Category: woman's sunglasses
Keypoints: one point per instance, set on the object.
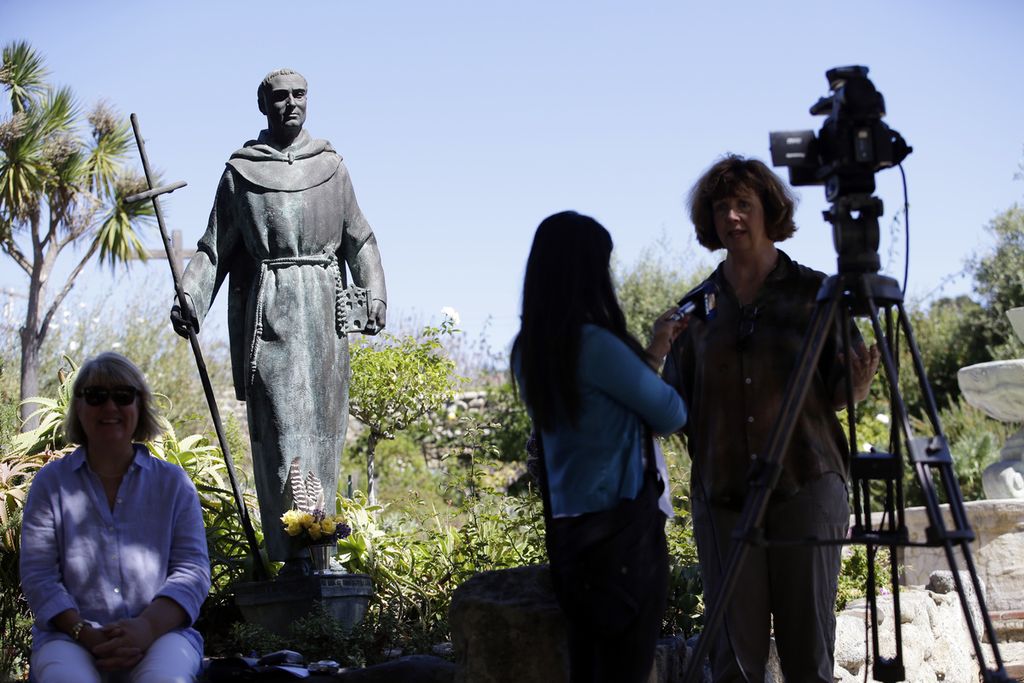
(97, 396)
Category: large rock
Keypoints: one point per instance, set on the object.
(942, 582)
(936, 643)
(507, 627)
(672, 658)
(411, 669)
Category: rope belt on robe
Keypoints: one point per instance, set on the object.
(327, 260)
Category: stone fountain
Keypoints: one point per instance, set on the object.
(997, 388)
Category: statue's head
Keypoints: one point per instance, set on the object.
(282, 98)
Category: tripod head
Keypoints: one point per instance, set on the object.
(855, 232)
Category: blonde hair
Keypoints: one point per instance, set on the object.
(110, 368)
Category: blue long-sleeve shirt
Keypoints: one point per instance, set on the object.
(109, 565)
(592, 466)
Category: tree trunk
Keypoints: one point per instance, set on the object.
(29, 377)
(371, 490)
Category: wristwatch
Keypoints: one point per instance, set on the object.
(76, 630)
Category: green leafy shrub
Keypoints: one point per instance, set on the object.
(419, 556)
(397, 382)
(685, 612)
(853, 575)
(16, 472)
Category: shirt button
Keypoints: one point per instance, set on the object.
(747, 380)
(117, 590)
(750, 418)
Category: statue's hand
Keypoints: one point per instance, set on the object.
(378, 317)
(185, 321)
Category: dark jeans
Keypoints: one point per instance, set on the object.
(612, 633)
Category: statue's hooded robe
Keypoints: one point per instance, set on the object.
(283, 226)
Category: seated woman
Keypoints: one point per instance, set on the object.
(595, 399)
(113, 553)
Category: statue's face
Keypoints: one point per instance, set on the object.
(284, 103)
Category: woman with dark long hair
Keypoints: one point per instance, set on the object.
(595, 399)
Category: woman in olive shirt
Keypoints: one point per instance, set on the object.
(732, 372)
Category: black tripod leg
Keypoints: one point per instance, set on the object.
(769, 468)
(935, 453)
(885, 668)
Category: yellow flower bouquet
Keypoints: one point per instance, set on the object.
(316, 526)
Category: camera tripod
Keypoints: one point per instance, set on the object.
(859, 291)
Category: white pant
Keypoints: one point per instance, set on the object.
(170, 659)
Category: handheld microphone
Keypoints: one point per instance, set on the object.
(701, 302)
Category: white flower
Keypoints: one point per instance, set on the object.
(883, 418)
(451, 313)
(72, 346)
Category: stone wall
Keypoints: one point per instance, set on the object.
(998, 551)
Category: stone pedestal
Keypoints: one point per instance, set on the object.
(276, 605)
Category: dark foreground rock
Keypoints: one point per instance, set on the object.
(507, 628)
(411, 669)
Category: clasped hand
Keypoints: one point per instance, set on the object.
(119, 645)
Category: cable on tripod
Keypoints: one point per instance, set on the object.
(906, 225)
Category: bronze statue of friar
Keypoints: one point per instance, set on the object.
(284, 225)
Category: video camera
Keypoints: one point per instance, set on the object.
(853, 143)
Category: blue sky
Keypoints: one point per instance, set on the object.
(464, 124)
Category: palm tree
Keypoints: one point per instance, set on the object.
(58, 189)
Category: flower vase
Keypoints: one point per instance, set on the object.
(321, 555)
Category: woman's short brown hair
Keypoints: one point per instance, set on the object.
(111, 369)
(726, 178)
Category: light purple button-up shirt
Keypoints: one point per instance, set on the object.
(109, 565)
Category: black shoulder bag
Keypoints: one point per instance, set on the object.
(604, 564)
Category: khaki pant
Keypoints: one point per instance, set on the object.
(793, 586)
(170, 659)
